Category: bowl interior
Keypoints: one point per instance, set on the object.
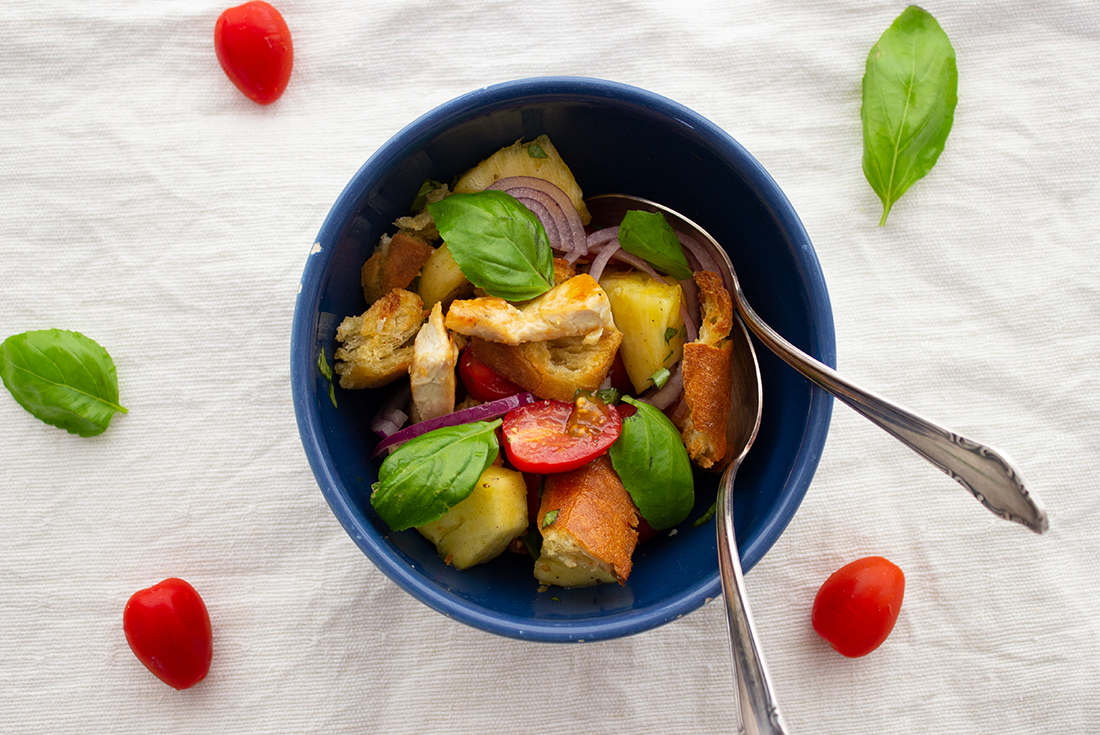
(616, 139)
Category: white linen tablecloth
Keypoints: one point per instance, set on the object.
(148, 204)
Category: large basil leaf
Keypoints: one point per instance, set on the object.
(427, 476)
(649, 236)
(653, 465)
(62, 378)
(498, 243)
(910, 90)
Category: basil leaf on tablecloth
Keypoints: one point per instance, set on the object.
(427, 476)
(498, 243)
(910, 89)
(63, 378)
(653, 465)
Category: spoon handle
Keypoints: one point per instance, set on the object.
(982, 470)
(756, 706)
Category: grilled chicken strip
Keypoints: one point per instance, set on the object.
(576, 308)
(432, 375)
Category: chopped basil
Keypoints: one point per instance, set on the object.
(651, 461)
(427, 476)
(62, 378)
(670, 334)
(498, 244)
(421, 199)
(910, 89)
(326, 373)
(549, 518)
(649, 236)
(534, 150)
(660, 377)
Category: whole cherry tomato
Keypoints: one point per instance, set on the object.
(253, 45)
(856, 608)
(168, 629)
(555, 436)
(481, 382)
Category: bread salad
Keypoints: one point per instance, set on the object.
(599, 357)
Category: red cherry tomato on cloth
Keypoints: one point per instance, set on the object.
(253, 46)
(481, 382)
(856, 608)
(555, 436)
(168, 629)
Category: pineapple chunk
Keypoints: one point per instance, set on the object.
(441, 280)
(525, 159)
(647, 312)
(481, 526)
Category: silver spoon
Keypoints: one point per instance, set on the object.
(982, 470)
(757, 711)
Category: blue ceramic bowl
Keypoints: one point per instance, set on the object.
(615, 138)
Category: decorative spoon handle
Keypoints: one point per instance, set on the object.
(982, 470)
(756, 705)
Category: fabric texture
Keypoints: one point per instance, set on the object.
(148, 204)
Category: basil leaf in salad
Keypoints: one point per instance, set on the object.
(653, 465)
(427, 476)
(326, 373)
(649, 236)
(498, 243)
(910, 89)
(63, 378)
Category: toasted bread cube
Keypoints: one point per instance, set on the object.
(589, 527)
(394, 264)
(441, 280)
(481, 526)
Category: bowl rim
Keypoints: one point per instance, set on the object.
(304, 375)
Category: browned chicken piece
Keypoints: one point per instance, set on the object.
(395, 263)
(589, 527)
(707, 378)
(576, 308)
(376, 346)
(432, 374)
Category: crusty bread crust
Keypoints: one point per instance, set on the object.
(556, 369)
(592, 536)
(707, 377)
(394, 264)
(376, 346)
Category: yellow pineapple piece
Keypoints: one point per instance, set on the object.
(537, 158)
(441, 280)
(481, 526)
(647, 312)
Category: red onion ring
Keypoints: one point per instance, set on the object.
(600, 261)
(482, 412)
(560, 212)
(672, 390)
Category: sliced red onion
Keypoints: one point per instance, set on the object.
(703, 254)
(390, 418)
(559, 210)
(602, 237)
(600, 261)
(482, 412)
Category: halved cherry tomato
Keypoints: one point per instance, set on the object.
(856, 608)
(481, 382)
(168, 629)
(253, 45)
(555, 436)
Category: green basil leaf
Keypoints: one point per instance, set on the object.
(62, 378)
(428, 186)
(326, 373)
(498, 244)
(910, 89)
(649, 236)
(653, 465)
(427, 476)
(534, 150)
